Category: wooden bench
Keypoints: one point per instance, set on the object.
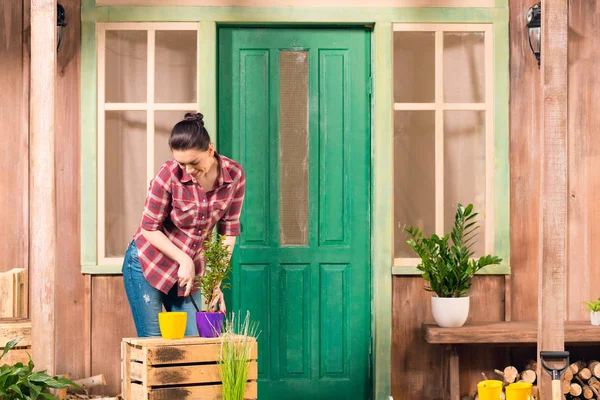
(508, 333)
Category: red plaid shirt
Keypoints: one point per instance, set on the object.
(184, 212)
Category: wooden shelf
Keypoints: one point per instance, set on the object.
(506, 332)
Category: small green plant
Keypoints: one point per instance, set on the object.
(19, 382)
(446, 262)
(238, 340)
(592, 306)
(218, 267)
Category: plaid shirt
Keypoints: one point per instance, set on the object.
(184, 212)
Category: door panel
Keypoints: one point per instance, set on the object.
(294, 110)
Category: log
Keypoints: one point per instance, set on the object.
(596, 371)
(595, 383)
(568, 375)
(592, 364)
(576, 367)
(566, 386)
(532, 365)
(528, 376)
(587, 391)
(585, 374)
(510, 374)
(575, 389)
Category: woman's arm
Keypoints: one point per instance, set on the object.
(187, 270)
(230, 243)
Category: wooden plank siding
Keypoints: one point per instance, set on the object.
(14, 117)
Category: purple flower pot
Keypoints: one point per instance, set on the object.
(209, 323)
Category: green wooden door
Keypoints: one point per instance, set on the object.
(294, 110)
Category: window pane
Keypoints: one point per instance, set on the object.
(175, 67)
(126, 183)
(414, 67)
(464, 168)
(126, 66)
(464, 67)
(163, 123)
(414, 175)
(293, 147)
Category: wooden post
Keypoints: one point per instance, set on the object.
(42, 208)
(553, 200)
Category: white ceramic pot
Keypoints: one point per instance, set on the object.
(595, 317)
(450, 312)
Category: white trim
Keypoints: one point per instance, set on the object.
(101, 118)
(150, 100)
(146, 106)
(489, 141)
(410, 27)
(443, 106)
(144, 26)
(439, 132)
(406, 262)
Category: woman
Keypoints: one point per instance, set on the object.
(188, 197)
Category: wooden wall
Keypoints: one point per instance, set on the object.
(92, 312)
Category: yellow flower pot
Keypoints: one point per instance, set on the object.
(489, 390)
(519, 391)
(172, 324)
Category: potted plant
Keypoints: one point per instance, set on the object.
(594, 308)
(447, 266)
(238, 340)
(216, 256)
(19, 382)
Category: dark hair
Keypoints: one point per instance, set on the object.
(189, 133)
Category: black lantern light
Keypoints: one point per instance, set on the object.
(534, 30)
(60, 24)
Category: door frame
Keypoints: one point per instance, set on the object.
(381, 282)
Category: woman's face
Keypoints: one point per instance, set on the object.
(195, 162)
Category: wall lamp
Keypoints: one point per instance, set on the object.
(60, 24)
(534, 30)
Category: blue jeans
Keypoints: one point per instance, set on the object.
(146, 301)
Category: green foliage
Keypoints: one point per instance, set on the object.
(446, 261)
(592, 306)
(19, 382)
(218, 267)
(236, 348)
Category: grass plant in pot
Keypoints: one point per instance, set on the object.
(217, 258)
(237, 350)
(447, 266)
(594, 309)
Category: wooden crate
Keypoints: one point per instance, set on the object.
(13, 293)
(12, 329)
(184, 369)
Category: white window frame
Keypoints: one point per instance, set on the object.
(439, 106)
(149, 106)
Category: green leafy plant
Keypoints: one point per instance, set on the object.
(238, 341)
(592, 306)
(218, 267)
(19, 382)
(446, 262)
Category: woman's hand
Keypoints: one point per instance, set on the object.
(218, 299)
(186, 273)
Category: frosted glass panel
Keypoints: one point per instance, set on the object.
(293, 147)
(126, 183)
(414, 175)
(414, 67)
(175, 70)
(464, 167)
(163, 124)
(464, 67)
(126, 66)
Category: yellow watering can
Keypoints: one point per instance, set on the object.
(489, 390)
(519, 391)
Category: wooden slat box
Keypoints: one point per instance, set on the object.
(183, 369)
(11, 329)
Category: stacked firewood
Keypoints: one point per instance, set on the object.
(582, 380)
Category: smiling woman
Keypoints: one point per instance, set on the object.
(189, 196)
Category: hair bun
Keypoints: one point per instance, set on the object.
(197, 117)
